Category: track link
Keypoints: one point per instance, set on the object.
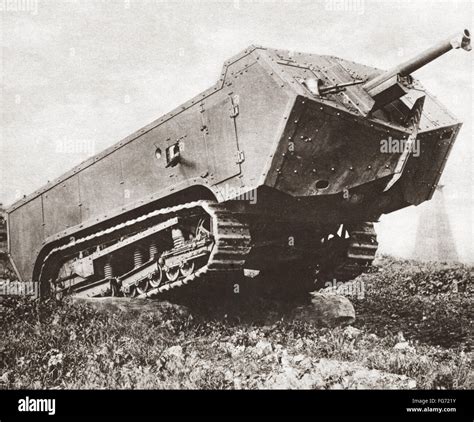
(356, 253)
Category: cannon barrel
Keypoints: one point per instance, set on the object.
(461, 40)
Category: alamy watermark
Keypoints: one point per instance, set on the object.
(235, 193)
(75, 146)
(399, 146)
(29, 6)
(37, 405)
(19, 288)
(351, 289)
(357, 6)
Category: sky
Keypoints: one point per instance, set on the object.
(77, 76)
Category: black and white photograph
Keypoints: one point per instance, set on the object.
(257, 195)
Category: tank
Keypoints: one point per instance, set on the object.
(284, 164)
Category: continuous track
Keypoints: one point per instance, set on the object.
(219, 254)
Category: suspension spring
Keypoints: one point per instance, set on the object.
(137, 258)
(108, 270)
(178, 237)
(153, 250)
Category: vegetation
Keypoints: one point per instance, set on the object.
(413, 330)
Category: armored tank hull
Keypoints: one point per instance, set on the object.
(284, 162)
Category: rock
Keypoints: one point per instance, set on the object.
(374, 379)
(172, 359)
(298, 358)
(403, 345)
(289, 379)
(174, 351)
(237, 383)
(253, 335)
(263, 348)
(334, 374)
(327, 310)
(284, 359)
(236, 351)
(229, 376)
(4, 377)
(352, 332)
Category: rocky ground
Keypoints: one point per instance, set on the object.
(413, 329)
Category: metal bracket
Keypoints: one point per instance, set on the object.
(235, 106)
(413, 120)
(240, 157)
(235, 111)
(173, 155)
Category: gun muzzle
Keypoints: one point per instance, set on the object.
(461, 40)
